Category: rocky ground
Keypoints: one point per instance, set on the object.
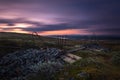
(20, 64)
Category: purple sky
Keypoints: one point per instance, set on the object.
(52, 17)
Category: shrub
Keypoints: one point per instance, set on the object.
(116, 58)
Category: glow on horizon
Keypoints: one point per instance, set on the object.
(15, 28)
(19, 28)
(22, 25)
(17, 31)
(64, 32)
(57, 32)
(18, 25)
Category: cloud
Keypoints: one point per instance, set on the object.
(12, 22)
(100, 16)
(97, 26)
(47, 27)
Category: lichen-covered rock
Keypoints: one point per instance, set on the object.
(18, 65)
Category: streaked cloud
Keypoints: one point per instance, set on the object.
(43, 16)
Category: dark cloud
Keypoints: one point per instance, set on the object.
(98, 26)
(12, 22)
(52, 27)
(48, 27)
(108, 31)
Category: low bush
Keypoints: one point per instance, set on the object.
(116, 59)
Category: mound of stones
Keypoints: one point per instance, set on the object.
(94, 47)
(20, 64)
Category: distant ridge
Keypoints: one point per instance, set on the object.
(12, 35)
(88, 37)
(73, 37)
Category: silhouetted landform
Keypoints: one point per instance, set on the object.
(88, 37)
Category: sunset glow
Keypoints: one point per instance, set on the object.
(64, 32)
(17, 31)
(22, 25)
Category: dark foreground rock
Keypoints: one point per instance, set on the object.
(19, 65)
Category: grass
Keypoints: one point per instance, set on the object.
(97, 64)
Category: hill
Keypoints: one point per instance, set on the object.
(94, 64)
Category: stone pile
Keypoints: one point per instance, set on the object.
(20, 64)
(94, 47)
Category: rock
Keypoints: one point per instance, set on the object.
(20, 64)
(83, 74)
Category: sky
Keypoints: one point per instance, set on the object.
(60, 17)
